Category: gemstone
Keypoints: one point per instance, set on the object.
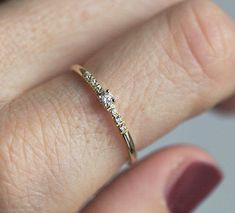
(123, 128)
(87, 75)
(114, 113)
(107, 98)
(98, 88)
(118, 120)
(93, 82)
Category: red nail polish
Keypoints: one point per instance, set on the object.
(193, 185)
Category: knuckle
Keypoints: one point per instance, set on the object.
(202, 37)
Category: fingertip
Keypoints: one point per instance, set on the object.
(174, 179)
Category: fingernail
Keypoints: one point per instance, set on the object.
(192, 186)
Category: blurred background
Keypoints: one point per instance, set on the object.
(216, 134)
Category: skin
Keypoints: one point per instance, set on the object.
(175, 62)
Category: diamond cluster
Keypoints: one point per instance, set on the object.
(107, 99)
(118, 120)
(92, 81)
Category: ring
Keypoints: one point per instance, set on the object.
(108, 101)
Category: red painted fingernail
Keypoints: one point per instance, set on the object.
(193, 186)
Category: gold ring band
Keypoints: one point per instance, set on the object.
(107, 100)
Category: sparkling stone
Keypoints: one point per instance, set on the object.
(118, 120)
(123, 128)
(93, 81)
(98, 88)
(114, 113)
(106, 98)
(87, 75)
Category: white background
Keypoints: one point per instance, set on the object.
(216, 134)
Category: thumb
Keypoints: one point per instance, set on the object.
(175, 179)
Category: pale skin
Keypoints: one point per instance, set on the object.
(57, 144)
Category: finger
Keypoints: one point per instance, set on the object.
(42, 38)
(175, 179)
(63, 130)
(182, 67)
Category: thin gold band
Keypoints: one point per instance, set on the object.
(107, 100)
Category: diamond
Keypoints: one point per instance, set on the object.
(93, 81)
(98, 88)
(118, 120)
(123, 128)
(106, 98)
(114, 113)
(87, 76)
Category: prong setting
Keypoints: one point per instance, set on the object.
(108, 101)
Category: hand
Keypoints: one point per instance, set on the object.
(57, 145)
